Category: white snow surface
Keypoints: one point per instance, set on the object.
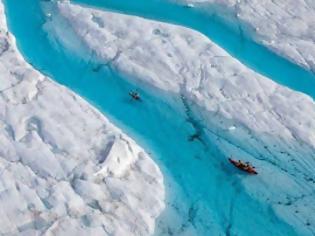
(270, 122)
(285, 26)
(64, 168)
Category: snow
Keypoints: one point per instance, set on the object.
(253, 116)
(65, 169)
(285, 26)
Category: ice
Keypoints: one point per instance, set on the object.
(181, 60)
(285, 26)
(65, 169)
(272, 125)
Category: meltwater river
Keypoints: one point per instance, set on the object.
(203, 195)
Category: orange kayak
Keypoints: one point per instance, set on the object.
(243, 167)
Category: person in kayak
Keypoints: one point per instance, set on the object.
(135, 95)
(241, 164)
(244, 166)
(248, 165)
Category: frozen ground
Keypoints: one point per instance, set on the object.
(65, 169)
(243, 112)
(285, 26)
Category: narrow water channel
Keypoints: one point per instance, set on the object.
(235, 42)
(203, 196)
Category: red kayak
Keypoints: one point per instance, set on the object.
(244, 167)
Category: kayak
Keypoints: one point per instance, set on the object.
(248, 169)
(135, 96)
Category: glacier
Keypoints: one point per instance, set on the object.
(65, 169)
(184, 75)
(284, 26)
(242, 112)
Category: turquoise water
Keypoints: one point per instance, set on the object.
(202, 191)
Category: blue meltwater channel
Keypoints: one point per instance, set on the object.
(203, 194)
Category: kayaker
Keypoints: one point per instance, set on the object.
(244, 166)
(135, 95)
(240, 163)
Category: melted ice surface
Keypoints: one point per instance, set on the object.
(234, 110)
(65, 169)
(270, 122)
(285, 26)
